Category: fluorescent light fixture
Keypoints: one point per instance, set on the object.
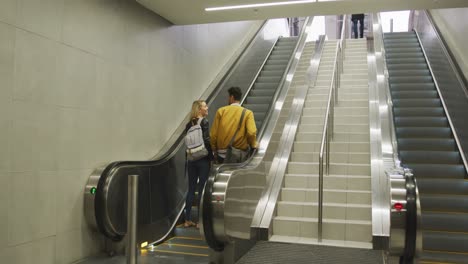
(260, 5)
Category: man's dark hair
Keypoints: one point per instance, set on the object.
(235, 92)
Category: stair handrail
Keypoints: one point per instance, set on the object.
(327, 131)
(442, 100)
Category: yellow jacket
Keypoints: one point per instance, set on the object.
(225, 125)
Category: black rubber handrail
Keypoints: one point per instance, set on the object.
(411, 220)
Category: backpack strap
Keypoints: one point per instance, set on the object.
(238, 128)
(199, 120)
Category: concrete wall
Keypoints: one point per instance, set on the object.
(85, 82)
(454, 28)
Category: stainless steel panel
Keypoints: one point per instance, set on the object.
(384, 153)
(132, 210)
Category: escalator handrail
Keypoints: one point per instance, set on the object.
(412, 202)
(442, 100)
(208, 230)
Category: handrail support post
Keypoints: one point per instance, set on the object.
(132, 209)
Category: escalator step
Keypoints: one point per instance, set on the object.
(406, 50)
(274, 67)
(258, 123)
(402, 54)
(393, 38)
(265, 86)
(279, 57)
(411, 86)
(268, 79)
(282, 63)
(435, 144)
(407, 72)
(409, 79)
(262, 92)
(428, 157)
(421, 122)
(411, 44)
(259, 116)
(445, 241)
(269, 73)
(442, 257)
(286, 52)
(398, 61)
(444, 203)
(423, 132)
(449, 222)
(443, 186)
(418, 111)
(398, 34)
(414, 94)
(448, 171)
(257, 107)
(417, 102)
(407, 66)
(251, 100)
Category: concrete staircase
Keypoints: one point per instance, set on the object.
(347, 194)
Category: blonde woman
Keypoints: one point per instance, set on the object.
(199, 169)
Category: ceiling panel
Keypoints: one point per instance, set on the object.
(182, 12)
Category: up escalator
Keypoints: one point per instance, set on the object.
(427, 146)
(162, 184)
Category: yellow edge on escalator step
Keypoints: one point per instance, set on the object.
(432, 262)
(444, 231)
(181, 253)
(451, 212)
(450, 252)
(189, 238)
(184, 245)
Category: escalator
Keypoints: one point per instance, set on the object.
(427, 146)
(187, 241)
(162, 185)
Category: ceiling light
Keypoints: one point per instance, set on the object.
(260, 5)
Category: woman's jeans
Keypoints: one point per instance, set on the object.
(197, 170)
(361, 27)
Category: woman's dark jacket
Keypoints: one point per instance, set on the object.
(205, 125)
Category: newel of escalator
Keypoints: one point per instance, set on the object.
(405, 214)
(206, 217)
(412, 211)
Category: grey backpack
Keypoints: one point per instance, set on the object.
(194, 142)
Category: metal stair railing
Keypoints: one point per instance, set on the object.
(327, 131)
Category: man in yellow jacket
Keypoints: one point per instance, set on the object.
(225, 125)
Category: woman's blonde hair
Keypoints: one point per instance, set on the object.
(196, 107)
